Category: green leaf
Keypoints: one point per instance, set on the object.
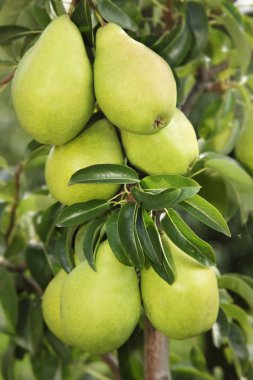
(198, 358)
(130, 357)
(183, 237)
(236, 177)
(149, 237)
(9, 33)
(165, 269)
(237, 343)
(114, 239)
(188, 186)
(105, 173)
(37, 264)
(46, 222)
(163, 199)
(3, 163)
(198, 25)
(8, 303)
(206, 213)
(57, 253)
(127, 234)
(239, 315)
(239, 38)
(238, 286)
(81, 212)
(58, 7)
(91, 237)
(112, 13)
(82, 18)
(220, 329)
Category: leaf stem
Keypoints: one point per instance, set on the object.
(96, 12)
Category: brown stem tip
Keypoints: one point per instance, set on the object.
(159, 123)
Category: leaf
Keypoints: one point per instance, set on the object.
(3, 162)
(58, 7)
(165, 269)
(198, 358)
(220, 329)
(46, 222)
(127, 234)
(188, 186)
(82, 18)
(105, 173)
(112, 13)
(198, 24)
(238, 286)
(238, 345)
(37, 264)
(57, 252)
(131, 358)
(206, 213)
(91, 235)
(81, 212)
(183, 237)
(149, 237)
(163, 199)
(236, 177)
(239, 315)
(114, 239)
(8, 303)
(9, 33)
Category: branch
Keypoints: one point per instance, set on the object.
(7, 79)
(112, 364)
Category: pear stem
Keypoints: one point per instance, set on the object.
(72, 7)
(96, 12)
(156, 354)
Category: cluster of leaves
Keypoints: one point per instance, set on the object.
(209, 46)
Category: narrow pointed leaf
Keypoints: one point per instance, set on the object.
(149, 237)
(238, 286)
(127, 234)
(164, 199)
(90, 239)
(183, 237)
(206, 213)
(8, 303)
(81, 212)
(114, 239)
(241, 316)
(188, 186)
(165, 269)
(105, 173)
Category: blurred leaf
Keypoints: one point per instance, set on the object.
(46, 221)
(3, 162)
(81, 212)
(58, 7)
(238, 345)
(206, 213)
(220, 329)
(8, 303)
(111, 13)
(237, 285)
(105, 173)
(46, 366)
(127, 234)
(7, 365)
(9, 33)
(164, 198)
(114, 239)
(57, 253)
(187, 372)
(130, 360)
(188, 186)
(184, 238)
(58, 346)
(82, 18)
(198, 359)
(241, 317)
(91, 236)
(198, 25)
(38, 265)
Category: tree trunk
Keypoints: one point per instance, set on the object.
(156, 354)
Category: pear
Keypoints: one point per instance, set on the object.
(51, 305)
(243, 148)
(100, 310)
(170, 151)
(190, 305)
(134, 87)
(223, 142)
(98, 144)
(52, 89)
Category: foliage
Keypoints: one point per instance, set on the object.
(209, 47)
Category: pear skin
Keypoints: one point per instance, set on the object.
(190, 305)
(244, 148)
(170, 151)
(134, 87)
(52, 89)
(98, 144)
(100, 310)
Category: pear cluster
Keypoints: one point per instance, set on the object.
(55, 90)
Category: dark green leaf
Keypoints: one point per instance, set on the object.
(46, 365)
(198, 24)
(91, 237)
(188, 186)
(57, 253)
(206, 213)
(127, 234)
(149, 237)
(237, 285)
(82, 18)
(131, 358)
(198, 358)
(8, 303)
(112, 13)
(105, 173)
(113, 238)
(57, 345)
(183, 237)
(163, 199)
(58, 7)
(238, 345)
(8, 363)
(220, 329)
(9, 33)
(46, 222)
(38, 265)
(81, 212)
(240, 316)
(165, 269)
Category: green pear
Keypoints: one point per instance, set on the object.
(98, 144)
(170, 151)
(134, 87)
(190, 305)
(100, 310)
(243, 148)
(52, 89)
(51, 305)
(222, 142)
